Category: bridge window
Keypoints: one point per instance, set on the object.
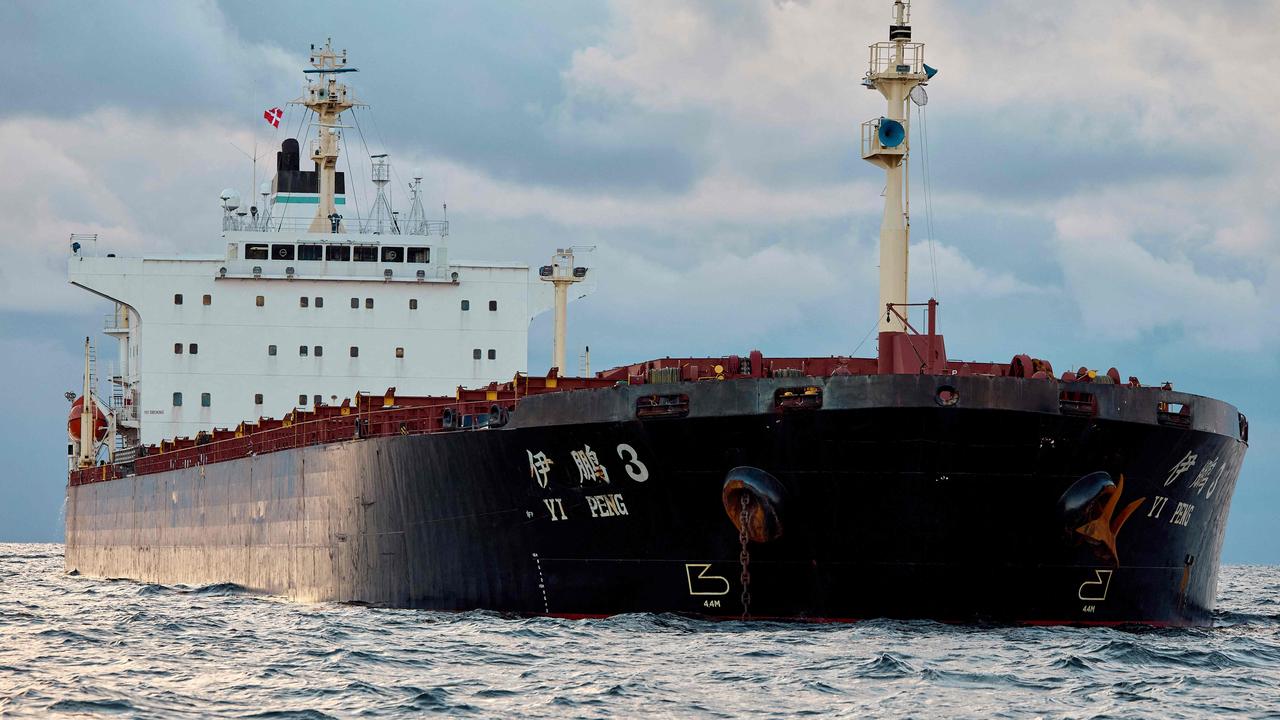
(493, 306)
(302, 301)
(177, 348)
(419, 255)
(205, 399)
(177, 299)
(177, 399)
(282, 252)
(337, 252)
(493, 354)
(193, 348)
(365, 253)
(257, 398)
(413, 303)
(392, 254)
(355, 351)
(310, 252)
(466, 304)
(260, 301)
(256, 252)
(475, 354)
(271, 350)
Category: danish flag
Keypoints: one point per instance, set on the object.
(273, 116)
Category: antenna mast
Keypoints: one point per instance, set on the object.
(382, 204)
(416, 221)
(896, 67)
(328, 99)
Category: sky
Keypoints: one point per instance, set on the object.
(1094, 182)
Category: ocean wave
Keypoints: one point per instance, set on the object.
(77, 646)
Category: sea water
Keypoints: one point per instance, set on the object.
(77, 647)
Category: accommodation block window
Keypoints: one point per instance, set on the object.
(303, 301)
(413, 303)
(193, 348)
(318, 351)
(302, 350)
(302, 399)
(493, 354)
(355, 351)
(205, 399)
(399, 352)
(319, 302)
(177, 399)
(316, 399)
(260, 301)
(206, 300)
(355, 303)
(257, 398)
(177, 348)
(466, 304)
(271, 350)
(493, 306)
(368, 303)
(475, 354)
(177, 299)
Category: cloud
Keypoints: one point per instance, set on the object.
(163, 59)
(958, 277)
(1123, 290)
(138, 183)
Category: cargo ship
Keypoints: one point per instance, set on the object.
(418, 464)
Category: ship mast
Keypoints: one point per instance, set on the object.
(328, 99)
(86, 449)
(896, 67)
(562, 273)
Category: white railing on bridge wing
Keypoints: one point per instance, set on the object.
(375, 226)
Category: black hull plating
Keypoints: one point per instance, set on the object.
(952, 513)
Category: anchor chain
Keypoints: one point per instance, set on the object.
(744, 556)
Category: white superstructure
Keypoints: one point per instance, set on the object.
(300, 305)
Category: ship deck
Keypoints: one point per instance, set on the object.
(662, 388)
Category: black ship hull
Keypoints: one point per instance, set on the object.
(884, 498)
